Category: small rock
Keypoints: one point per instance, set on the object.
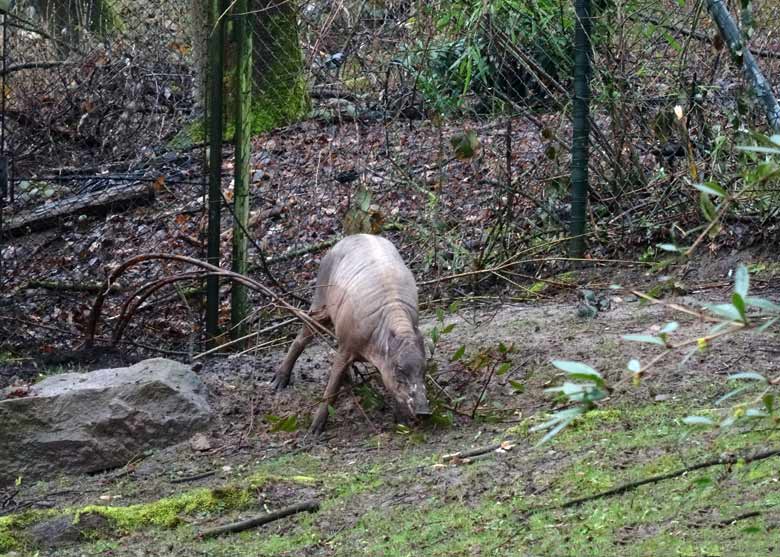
(200, 443)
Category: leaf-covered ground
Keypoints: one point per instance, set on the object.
(385, 491)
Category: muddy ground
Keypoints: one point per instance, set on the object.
(386, 490)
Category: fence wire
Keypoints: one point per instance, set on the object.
(100, 124)
(445, 124)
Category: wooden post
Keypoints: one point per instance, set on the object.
(239, 302)
(216, 72)
(580, 127)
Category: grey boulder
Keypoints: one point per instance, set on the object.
(88, 422)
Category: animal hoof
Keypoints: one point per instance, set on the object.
(279, 383)
(318, 424)
(317, 427)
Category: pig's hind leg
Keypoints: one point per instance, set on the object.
(284, 373)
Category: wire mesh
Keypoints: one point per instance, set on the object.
(102, 124)
(446, 124)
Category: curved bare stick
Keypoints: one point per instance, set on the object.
(130, 305)
(251, 283)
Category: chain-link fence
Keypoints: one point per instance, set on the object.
(101, 125)
(443, 124)
(446, 125)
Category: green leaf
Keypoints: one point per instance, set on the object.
(748, 375)
(769, 402)
(725, 310)
(645, 338)
(577, 392)
(560, 420)
(634, 366)
(442, 419)
(448, 328)
(555, 431)
(728, 421)
(688, 356)
(668, 247)
(575, 367)
(435, 335)
(719, 327)
(711, 188)
(453, 308)
(732, 394)
(739, 303)
(502, 348)
(439, 314)
(699, 420)
(503, 368)
(458, 353)
(288, 424)
(517, 386)
(761, 303)
(707, 207)
(741, 281)
(758, 149)
(670, 327)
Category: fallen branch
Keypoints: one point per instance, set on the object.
(194, 477)
(762, 89)
(468, 456)
(35, 65)
(243, 338)
(312, 248)
(721, 461)
(310, 506)
(97, 203)
(63, 286)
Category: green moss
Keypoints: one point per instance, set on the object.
(279, 104)
(569, 277)
(189, 135)
(11, 527)
(167, 512)
(281, 91)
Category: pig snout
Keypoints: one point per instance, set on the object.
(413, 403)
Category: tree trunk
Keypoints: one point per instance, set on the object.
(280, 89)
(581, 127)
(742, 56)
(68, 19)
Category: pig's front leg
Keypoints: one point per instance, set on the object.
(341, 363)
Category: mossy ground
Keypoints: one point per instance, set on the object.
(388, 493)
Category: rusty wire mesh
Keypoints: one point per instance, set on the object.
(101, 121)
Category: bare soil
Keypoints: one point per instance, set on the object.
(364, 464)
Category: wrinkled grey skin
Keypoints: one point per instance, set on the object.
(368, 294)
